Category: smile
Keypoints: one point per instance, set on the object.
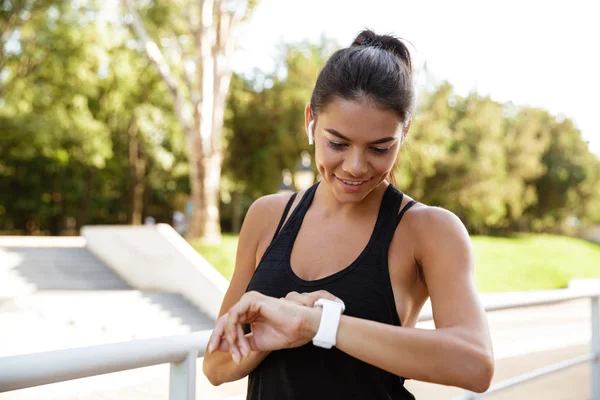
(352, 183)
(351, 186)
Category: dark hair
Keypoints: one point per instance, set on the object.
(376, 68)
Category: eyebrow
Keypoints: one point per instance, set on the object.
(378, 141)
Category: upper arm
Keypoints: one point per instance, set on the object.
(446, 255)
(260, 221)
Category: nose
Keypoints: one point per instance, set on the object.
(355, 164)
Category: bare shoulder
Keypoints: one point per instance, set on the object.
(432, 221)
(437, 232)
(266, 211)
(259, 223)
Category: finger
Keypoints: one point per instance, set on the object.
(324, 294)
(252, 342)
(242, 341)
(302, 299)
(242, 312)
(231, 336)
(294, 293)
(223, 346)
(217, 334)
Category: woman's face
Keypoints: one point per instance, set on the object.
(356, 145)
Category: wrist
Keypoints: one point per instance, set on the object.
(312, 319)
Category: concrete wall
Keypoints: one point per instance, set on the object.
(157, 258)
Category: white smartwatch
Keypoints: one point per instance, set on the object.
(330, 320)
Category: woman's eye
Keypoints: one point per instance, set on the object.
(379, 151)
(336, 145)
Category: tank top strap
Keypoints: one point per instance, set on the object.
(295, 220)
(407, 207)
(393, 216)
(286, 231)
(284, 215)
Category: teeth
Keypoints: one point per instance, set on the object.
(352, 183)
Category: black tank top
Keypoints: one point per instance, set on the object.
(313, 373)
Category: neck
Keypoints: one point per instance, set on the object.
(326, 200)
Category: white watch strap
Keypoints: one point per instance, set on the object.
(330, 320)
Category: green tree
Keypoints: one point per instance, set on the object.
(264, 124)
(196, 41)
(87, 132)
(49, 66)
(570, 181)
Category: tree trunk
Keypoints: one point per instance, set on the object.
(84, 207)
(205, 174)
(237, 205)
(137, 168)
(207, 92)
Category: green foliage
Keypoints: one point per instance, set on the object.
(264, 122)
(88, 132)
(79, 111)
(221, 256)
(499, 167)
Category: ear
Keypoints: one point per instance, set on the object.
(308, 119)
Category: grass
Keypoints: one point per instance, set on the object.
(221, 256)
(533, 262)
(524, 262)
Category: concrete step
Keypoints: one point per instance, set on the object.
(25, 269)
(56, 294)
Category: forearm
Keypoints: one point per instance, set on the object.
(220, 368)
(444, 356)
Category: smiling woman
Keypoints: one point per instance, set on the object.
(329, 281)
(362, 157)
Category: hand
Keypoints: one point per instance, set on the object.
(309, 299)
(276, 324)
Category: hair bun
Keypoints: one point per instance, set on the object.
(368, 38)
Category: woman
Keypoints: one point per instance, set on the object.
(331, 280)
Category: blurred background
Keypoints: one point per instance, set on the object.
(147, 112)
(100, 121)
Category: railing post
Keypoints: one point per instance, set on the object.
(596, 348)
(182, 385)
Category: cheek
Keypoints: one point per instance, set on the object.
(382, 165)
(327, 159)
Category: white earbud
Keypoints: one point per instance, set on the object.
(311, 134)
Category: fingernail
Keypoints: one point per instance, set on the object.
(236, 358)
(211, 347)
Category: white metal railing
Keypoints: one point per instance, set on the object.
(593, 357)
(23, 371)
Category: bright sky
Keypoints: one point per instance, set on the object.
(538, 53)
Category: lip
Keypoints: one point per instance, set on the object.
(351, 188)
